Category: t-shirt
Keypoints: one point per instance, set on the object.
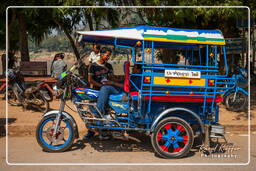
(93, 57)
(100, 72)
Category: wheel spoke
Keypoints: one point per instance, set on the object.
(165, 137)
(176, 147)
(165, 146)
(180, 139)
(177, 132)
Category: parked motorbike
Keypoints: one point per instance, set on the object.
(236, 99)
(32, 95)
(57, 130)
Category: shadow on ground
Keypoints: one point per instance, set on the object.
(118, 145)
(2, 125)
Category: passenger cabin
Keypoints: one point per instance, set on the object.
(180, 67)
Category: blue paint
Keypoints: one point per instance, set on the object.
(52, 146)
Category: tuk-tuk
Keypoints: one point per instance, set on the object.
(175, 102)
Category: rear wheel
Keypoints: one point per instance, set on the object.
(236, 102)
(63, 139)
(172, 138)
(39, 102)
(44, 106)
(12, 98)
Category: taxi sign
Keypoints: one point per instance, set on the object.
(182, 74)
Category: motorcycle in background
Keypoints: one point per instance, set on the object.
(26, 94)
(236, 99)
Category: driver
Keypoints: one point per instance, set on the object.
(101, 77)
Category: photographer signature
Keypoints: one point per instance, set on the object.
(218, 148)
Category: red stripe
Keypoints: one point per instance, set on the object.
(159, 136)
(81, 88)
(2, 86)
(184, 99)
(180, 98)
(168, 126)
(185, 139)
(180, 128)
(177, 149)
(164, 148)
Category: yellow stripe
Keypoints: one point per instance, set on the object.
(186, 41)
(79, 92)
(179, 81)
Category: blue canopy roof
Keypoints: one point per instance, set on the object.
(162, 36)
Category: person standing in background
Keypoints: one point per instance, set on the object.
(58, 65)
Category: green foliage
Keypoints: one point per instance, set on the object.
(52, 43)
(40, 22)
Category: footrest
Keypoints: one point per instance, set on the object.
(217, 129)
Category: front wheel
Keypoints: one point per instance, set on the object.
(236, 101)
(63, 139)
(172, 138)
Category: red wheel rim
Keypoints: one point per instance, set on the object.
(172, 137)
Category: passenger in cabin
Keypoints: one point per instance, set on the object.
(95, 54)
(182, 60)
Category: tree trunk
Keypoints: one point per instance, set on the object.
(89, 19)
(82, 69)
(72, 42)
(23, 38)
(10, 25)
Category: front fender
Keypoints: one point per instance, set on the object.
(67, 115)
(228, 92)
(168, 111)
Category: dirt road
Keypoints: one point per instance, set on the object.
(22, 147)
(24, 150)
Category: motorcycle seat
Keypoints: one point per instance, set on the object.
(119, 97)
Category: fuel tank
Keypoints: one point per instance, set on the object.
(85, 94)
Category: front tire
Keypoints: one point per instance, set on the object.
(172, 138)
(64, 138)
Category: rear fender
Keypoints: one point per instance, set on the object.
(228, 92)
(242, 90)
(169, 113)
(45, 94)
(67, 115)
